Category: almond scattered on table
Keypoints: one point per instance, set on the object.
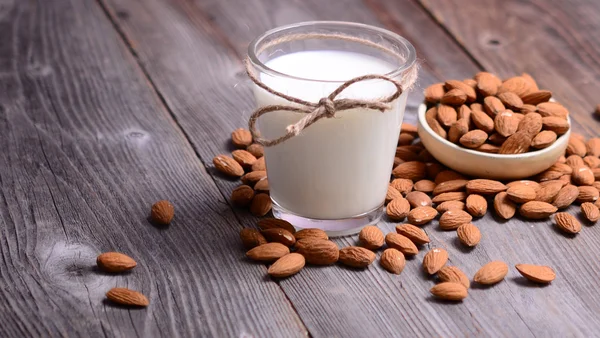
(536, 273)
(450, 291)
(127, 297)
(162, 212)
(115, 262)
(491, 273)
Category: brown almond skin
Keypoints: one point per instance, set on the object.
(260, 205)
(425, 186)
(311, 233)
(415, 234)
(393, 261)
(228, 166)
(287, 265)
(242, 195)
(356, 257)
(476, 205)
(473, 139)
(252, 238)
(450, 186)
(320, 252)
(371, 237)
(256, 149)
(485, 187)
(566, 196)
(449, 291)
(241, 138)
(450, 196)
(391, 194)
(504, 207)
(270, 223)
(397, 209)
(268, 252)
(567, 223)
(401, 243)
(279, 235)
(452, 219)
(434, 260)
(536, 273)
(421, 215)
(127, 297)
(491, 273)
(418, 199)
(162, 212)
(468, 234)
(537, 210)
(590, 211)
(454, 275)
(115, 262)
(521, 194)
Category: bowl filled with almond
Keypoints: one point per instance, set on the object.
(489, 128)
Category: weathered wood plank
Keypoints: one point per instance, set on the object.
(87, 148)
(336, 301)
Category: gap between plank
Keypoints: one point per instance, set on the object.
(153, 86)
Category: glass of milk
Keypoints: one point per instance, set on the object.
(334, 175)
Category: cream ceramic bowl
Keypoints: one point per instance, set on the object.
(486, 165)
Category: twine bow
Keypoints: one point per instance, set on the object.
(327, 107)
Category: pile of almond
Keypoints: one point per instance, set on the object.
(494, 116)
(247, 163)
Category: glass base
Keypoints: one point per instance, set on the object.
(333, 227)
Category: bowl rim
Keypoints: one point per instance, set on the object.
(423, 123)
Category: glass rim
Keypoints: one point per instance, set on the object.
(260, 66)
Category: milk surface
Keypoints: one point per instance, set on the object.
(338, 167)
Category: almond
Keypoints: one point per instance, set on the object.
(421, 215)
(410, 170)
(434, 93)
(537, 97)
(162, 212)
(536, 273)
(476, 205)
(464, 112)
(356, 257)
(511, 100)
(517, 143)
(485, 186)
(242, 195)
(596, 172)
(487, 83)
(259, 165)
(518, 85)
(457, 130)
(552, 109)
(397, 209)
(452, 219)
(449, 196)
(528, 108)
(532, 84)
(431, 118)
(405, 139)
(270, 223)
(465, 88)
(260, 205)
(543, 139)
(415, 234)
(405, 154)
(590, 212)
(482, 121)
(115, 262)
(533, 184)
(506, 123)
(468, 234)
(241, 138)
(449, 205)
(450, 186)
(454, 97)
(254, 176)
(575, 161)
(454, 275)
(434, 260)
(311, 233)
(392, 260)
(256, 149)
(496, 139)
(492, 106)
(593, 146)
(127, 297)
(371, 237)
(418, 199)
(548, 192)
(403, 185)
(319, 252)
(473, 139)
(537, 210)
(279, 235)
(244, 158)
(491, 273)
(287, 265)
(252, 238)
(411, 128)
(426, 186)
(401, 243)
(583, 176)
(587, 194)
(576, 147)
(268, 252)
(555, 124)
(592, 161)
(449, 291)
(262, 185)
(567, 195)
(521, 194)
(567, 223)
(505, 208)
(531, 124)
(447, 175)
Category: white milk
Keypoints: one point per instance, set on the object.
(338, 167)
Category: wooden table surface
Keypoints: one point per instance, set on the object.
(107, 106)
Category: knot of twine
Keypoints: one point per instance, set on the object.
(327, 106)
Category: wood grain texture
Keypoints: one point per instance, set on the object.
(555, 41)
(87, 147)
